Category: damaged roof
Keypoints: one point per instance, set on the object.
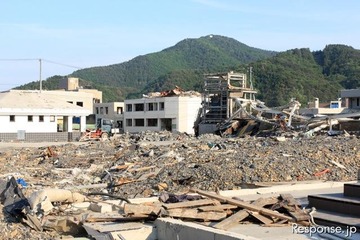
(30, 101)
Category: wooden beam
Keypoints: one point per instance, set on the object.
(188, 204)
(242, 214)
(217, 208)
(192, 213)
(261, 218)
(244, 205)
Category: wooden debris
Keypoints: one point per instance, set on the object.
(196, 203)
(248, 206)
(293, 207)
(261, 218)
(242, 214)
(191, 213)
(217, 208)
(141, 209)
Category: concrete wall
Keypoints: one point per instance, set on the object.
(172, 229)
(41, 137)
(21, 123)
(188, 112)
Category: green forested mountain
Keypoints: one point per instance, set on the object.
(296, 73)
(303, 74)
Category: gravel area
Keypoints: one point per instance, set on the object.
(144, 164)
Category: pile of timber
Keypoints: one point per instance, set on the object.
(222, 212)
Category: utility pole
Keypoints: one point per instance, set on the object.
(251, 83)
(40, 75)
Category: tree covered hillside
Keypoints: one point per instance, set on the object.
(204, 54)
(278, 77)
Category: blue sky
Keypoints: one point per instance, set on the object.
(80, 34)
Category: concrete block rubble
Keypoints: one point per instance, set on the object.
(69, 190)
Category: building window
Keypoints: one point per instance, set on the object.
(139, 122)
(152, 122)
(80, 104)
(70, 102)
(358, 102)
(30, 118)
(101, 110)
(12, 118)
(41, 118)
(139, 107)
(97, 110)
(129, 122)
(129, 107)
(106, 110)
(152, 106)
(52, 118)
(161, 106)
(119, 110)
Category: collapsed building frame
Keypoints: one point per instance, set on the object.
(224, 94)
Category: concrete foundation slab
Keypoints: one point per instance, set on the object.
(172, 229)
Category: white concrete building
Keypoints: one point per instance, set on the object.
(111, 110)
(175, 113)
(37, 112)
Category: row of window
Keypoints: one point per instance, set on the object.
(30, 118)
(140, 107)
(140, 122)
(80, 104)
(100, 110)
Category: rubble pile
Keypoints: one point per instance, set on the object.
(149, 164)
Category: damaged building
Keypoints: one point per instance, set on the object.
(174, 111)
(224, 94)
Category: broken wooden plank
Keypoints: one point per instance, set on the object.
(245, 205)
(261, 218)
(141, 209)
(293, 207)
(299, 215)
(242, 214)
(217, 208)
(188, 204)
(291, 201)
(192, 213)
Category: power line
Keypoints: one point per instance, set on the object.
(18, 59)
(38, 59)
(62, 64)
(40, 64)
